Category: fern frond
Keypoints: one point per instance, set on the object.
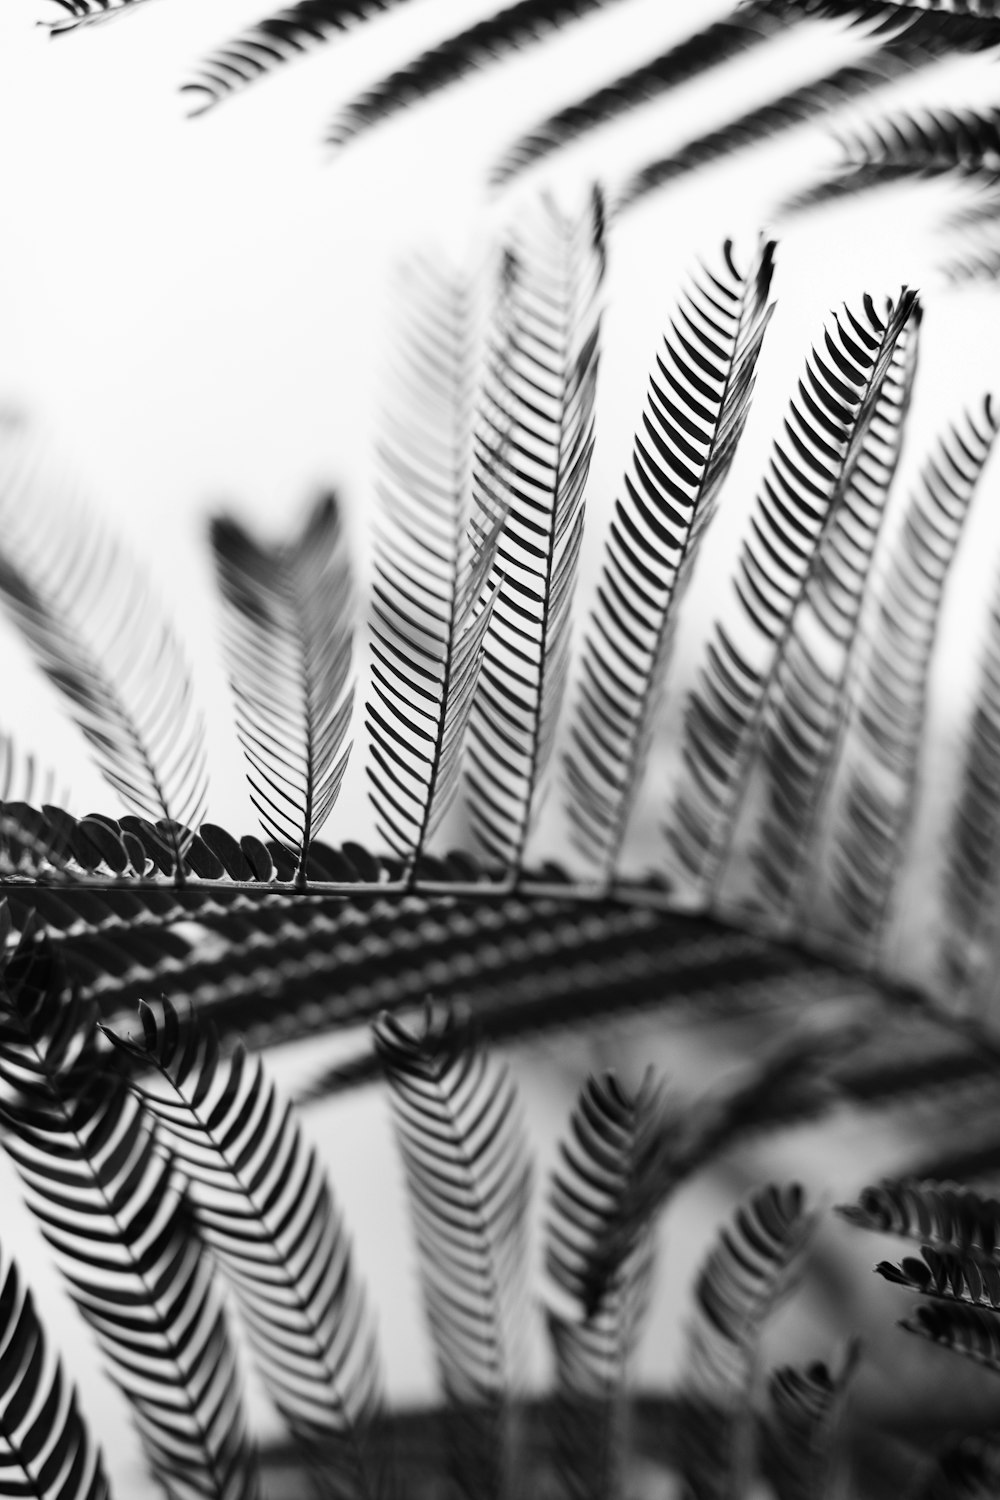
(509, 30)
(888, 691)
(278, 39)
(804, 1430)
(809, 471)
(469, 1178)
(751, 23)
(288, 638)
(595, 1342)
(88, 13)
(695, 412)
(964, 1330)
(109, 1203)
(751, 1269)
(803, 720)
(895, 59)
(537, 426)
(434, 547)
(45, 1449)
(85, 611)
(264, 1208)
(947, 1217)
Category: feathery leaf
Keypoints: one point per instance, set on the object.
(964, 1330)
(537, 426)
(264, 1208)
(941, 1214)
(804, 1429)
(89, 12)
(288, 637)
(469, 1178)
(695, 412)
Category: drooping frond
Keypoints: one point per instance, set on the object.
(509, 30)
(288, 638)
(752, 23)
(536, 423)
(947, 1217)
(269, 44)
(893, 60)
(804, 1428)
(88, 13)
(968, 1331)
(888, 690)
(695, 412)
(752, 1267)
(45, 1449)
(809, 470)
(86, 613)
(108, 1201)
(264, 1208)
(972, 874)
(436, 537)
(803, 721)
(595, 1342)
(468, 1175)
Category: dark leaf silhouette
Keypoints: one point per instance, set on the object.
(537, 428)
(468, 1175)
(109, 1202)
(86, 613)
(288, 637)
(964, 1330)
(508, 31)
(695, 412)
(432, 596)
(595, 1342)
(45, 1449)
(264, 1208)
(752, 1267)
(89, 12)
(750, 25)
(804, 721)
(888, 691)
(810, 467)
(804, 1430)
(952, 1219)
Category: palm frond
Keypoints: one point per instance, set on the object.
(469, 1177)
(45, 1449)
(595, 1342)
(86, 613)
(888, 690)
(537, 426)
(509, 30)
(894, 60)
(752, 23)
(109, 1203)
(288, 638)
(434, 547)
(973, 868)
(269, 44)
(803, 720)
(752, 1267)
(264, 1208)
(808, 473)
(695, 412)
(805, 1427)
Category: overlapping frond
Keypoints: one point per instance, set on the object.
(809, 470)
(288, 634)
(468, 1175)
(436, 538)
(274, 41)
(264, 1208)
(948, 1217)
(752, 1267)
(750, 24)
(595, 1341)
(536, 423)
(507, 31)
(964, 1330)
(697, 405)
(805, 1425)
(888, 689)
(45, 1449)
(85, 612)
(110, 1204)
(803, 720)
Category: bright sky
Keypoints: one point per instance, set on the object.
(191, 311)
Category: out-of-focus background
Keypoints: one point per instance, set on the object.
(194, 315)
